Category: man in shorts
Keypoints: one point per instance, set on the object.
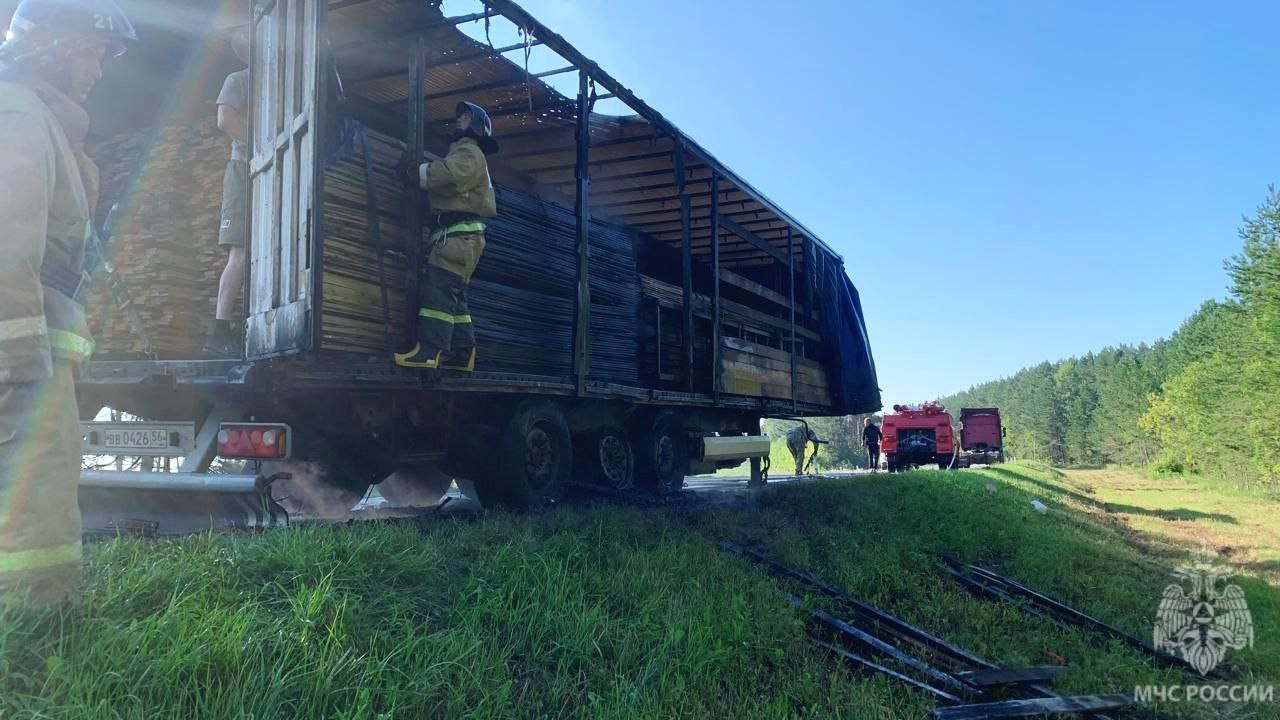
(233, 233)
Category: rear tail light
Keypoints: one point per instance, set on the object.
(250, 441)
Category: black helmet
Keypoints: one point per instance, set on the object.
(38, 26)
(481, 125)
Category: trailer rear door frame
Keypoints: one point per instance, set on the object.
(285, 90)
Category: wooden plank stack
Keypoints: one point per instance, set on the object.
(521, 297)
(169, 186)
(759, 371)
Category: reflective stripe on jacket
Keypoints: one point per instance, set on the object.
(47, 190)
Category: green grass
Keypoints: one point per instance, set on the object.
(605, 612)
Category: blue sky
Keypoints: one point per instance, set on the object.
(1008, 182)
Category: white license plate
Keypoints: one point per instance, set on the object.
(138, 438)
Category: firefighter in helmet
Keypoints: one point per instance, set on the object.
(461, 197)
(51, 58)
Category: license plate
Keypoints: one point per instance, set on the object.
(138, 438)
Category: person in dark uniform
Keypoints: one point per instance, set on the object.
(871, 441)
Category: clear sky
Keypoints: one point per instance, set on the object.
(1008, 181)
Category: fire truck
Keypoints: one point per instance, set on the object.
(917, 435)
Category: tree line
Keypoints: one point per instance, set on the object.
(1206, 399)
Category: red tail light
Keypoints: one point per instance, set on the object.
(248, 441)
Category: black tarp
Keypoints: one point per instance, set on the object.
(854, 386)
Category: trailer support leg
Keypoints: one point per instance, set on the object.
(757, 473)
(206, 445)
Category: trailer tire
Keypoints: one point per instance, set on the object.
(663, 454)
(606, 458)
(535, 455)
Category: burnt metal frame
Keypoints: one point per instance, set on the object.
(582, 208)
(589, 72)
(414, 220)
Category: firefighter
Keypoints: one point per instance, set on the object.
(798, 439)
(52, 57)
(233, 231)
(461, 197)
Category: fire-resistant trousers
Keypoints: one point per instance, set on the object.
(444, 321)
(39, 476)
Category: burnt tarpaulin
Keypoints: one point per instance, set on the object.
(854, 386)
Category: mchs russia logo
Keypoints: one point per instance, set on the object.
(1198, 622)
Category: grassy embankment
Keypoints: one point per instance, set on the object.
(613, 612)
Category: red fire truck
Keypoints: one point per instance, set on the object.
(917, 435)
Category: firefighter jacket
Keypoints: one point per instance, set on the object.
(460, 182)
(48, 188)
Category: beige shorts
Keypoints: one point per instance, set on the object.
(234, 230)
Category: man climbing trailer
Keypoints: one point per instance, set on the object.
(50, 61)
(461, 197)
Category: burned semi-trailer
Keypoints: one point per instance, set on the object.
(638, 309)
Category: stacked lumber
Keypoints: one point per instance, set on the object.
(759, 371)
(521, 297)
(169, 186)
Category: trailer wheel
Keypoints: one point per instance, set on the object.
(606, 458)
(663, 458)
(534, 457)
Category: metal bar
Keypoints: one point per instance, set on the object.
(1035, 706)
(523, 19)
(791, 294)
(1013, 676)
(169, 482)
(861, 661)
(417, 31)
(582, 208)
(715, 287)
(867, 639)
(896, 625)
(453, 60)
(751, 237)
(1065, 613)
(206, 444)
(414, 210)
(557, 71)
(686, 267)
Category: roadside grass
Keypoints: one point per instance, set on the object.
(597, 612)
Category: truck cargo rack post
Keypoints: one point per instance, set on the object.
(582, 208)
(416, 137)
(715, 287)
(791, 291)
(686, 263)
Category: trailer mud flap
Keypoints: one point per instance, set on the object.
(166, 504)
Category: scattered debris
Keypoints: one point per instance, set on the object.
(1035, 706)
(957, 676)
(988, 583)
(1039, 507)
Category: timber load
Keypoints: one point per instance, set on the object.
(169, 186)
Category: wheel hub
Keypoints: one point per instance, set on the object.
(539, 458)
(615, 461)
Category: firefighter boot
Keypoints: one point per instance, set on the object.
(418, 357)
(463, 359)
